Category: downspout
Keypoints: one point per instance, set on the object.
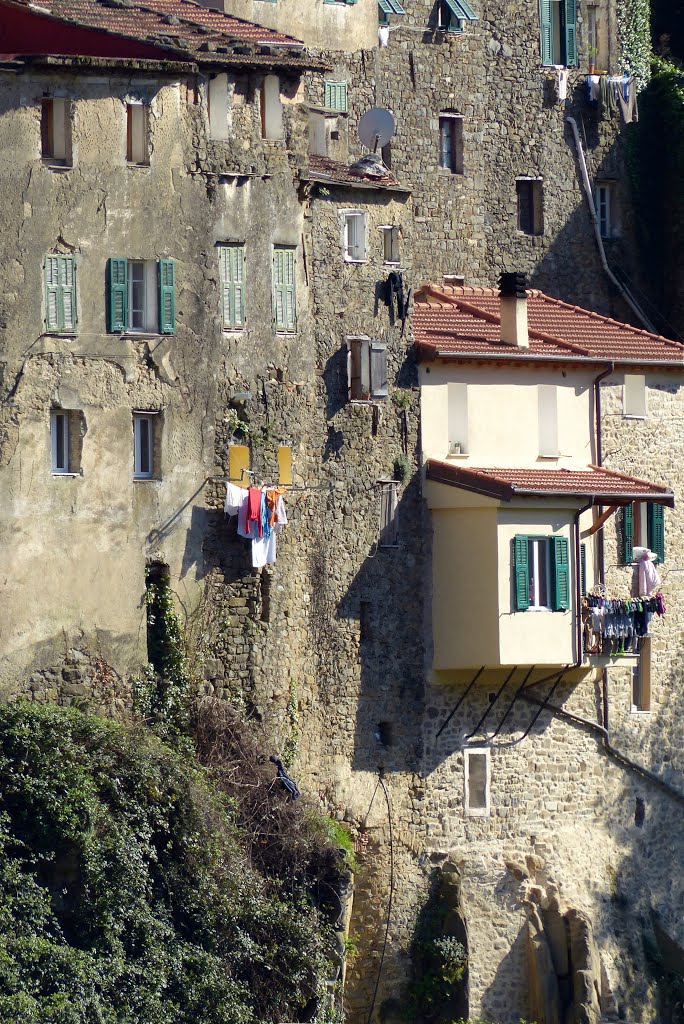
(601, 544)
(578, 586)
(629, 299)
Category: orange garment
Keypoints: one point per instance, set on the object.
(272, 495)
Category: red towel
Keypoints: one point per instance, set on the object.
(254, 509)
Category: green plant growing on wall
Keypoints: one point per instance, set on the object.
(634, 24)
(402, 469)
(453, 958)
(402, 398)
(291, 745)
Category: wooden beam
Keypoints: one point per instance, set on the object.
(602, 519)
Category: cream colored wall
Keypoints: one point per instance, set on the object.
(503, 414)
(323, 26)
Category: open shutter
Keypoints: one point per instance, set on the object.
(583, 568)
(279, 288)
(627, 534)
(52, 293)
(522, 579)
(378, 370)
(570, 32)
(118, 294)
(67, 281)
(238, 276)
(546, 28)
(167, 297)
(656, 529)
(289, 290)
(561, 574)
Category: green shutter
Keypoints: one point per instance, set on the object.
(561, 574)
(627, 534)
(546, 27)
(118, 294)
(522, 579)
(656, 529)
(284, 301)
(232, 275)
(570, 32)
(167, 297)
(60, 293)
(336, 96)
(583, 567)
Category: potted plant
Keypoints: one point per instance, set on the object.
(592, 51)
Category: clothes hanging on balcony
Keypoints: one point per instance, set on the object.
(261, 515)
(615, 626)
(649, 580)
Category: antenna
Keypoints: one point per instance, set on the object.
(376, 128)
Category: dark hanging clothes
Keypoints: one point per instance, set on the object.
(395, 286)
(285, 780)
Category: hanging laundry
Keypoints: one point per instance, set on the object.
(383, 35)
(286, 781)
(649, 580)
(236, 504)
(593, 88)
(613, 626)
(261, 516)
(561, 83)
(254, 496)
(627, 100)
(607, 94)
(264, 549)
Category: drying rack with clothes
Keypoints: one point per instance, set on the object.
(614, 625)
(260, 515)
(612, 92)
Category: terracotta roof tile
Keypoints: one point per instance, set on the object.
(462, 321)
(603, 486)
(322, 168)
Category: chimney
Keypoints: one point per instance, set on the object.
(513, 298)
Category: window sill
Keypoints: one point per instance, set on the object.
(458, 455)
(348, 260)
(447, 172)
(57, 473)
(476, 812)
(391, 263)
(548, 457)
(146, 479)
(282, 333)
(59, 334)
(539, 609)
(367, 401)
(639, 713)
(137, 167)
(141, 335)
(529, 234)
(55, 165)
(633, 416)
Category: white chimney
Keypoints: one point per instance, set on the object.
(513, 300)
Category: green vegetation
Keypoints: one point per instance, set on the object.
(634, 21)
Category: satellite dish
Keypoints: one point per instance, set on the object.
(376, 128)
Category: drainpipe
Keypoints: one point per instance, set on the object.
(629, 299)
(601, 550)
(578, 586)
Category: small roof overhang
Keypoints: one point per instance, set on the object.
(594, 484)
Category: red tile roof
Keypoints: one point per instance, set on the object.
(321, 168)
(601, 486)
(462, 322)
(182, 27)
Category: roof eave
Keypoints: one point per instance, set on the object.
(373, 186)
(597, 498)
(528, 357)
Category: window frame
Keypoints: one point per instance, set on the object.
(359, 219)
(470, 811)
(369, 387)
(558, 39)
(557, 566)
(59, 288)
(150, 417)
(604, 205)
(453, 162)
(331, 89)
(48, 121)
(629, 405)
(388, 531)
(231, 256)
(57, 416)
(536, 206)
(142, 144)
(159, 296)
(393, 231)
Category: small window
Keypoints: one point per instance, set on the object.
(530, 208)
(271, 109)
(390, 244)
(451, 143)
(146, 430)
(366, 369)
(336, 96)
(558, 25)
(634, 396)
(641, 678)
(55, 130)
(386, 8)
(477, 781)
(389, 526)
(603, 201)
(137, 134)
(446, 19)
(284, 297)
(541, 573)
(232, 277)
(547, 408)
(318, 136)
(142, 296)
(354, 236)
(643, 526)
(457, 414)
(217, 103)
(60, 294)
(67, 427)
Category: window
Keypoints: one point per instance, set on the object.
(451, 14)
(354, 236)
(390, 244)
(477, 781)
(366, 368)
(217, 103)
(271, 109)
(141, 296)
(55, 130)
(137, 134)
(541, 573)
(643, 526)
(336, 96)
(634, 396)
(389, 526)
(457, 412)
(605, 208)
(558, 23)
(67, 427)
(641, 678)
(530, 199)
(60, 294)
(232, 276)
(146, 439)
(387, 7)
(284, 298)
(318, 136)
(451, 143)
(547, 408)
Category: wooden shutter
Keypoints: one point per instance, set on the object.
(627, 534)
(522, 580)
(167, 297)
(232, 274)
(60, 293)
(52, 293)
(118, 294)
(570, 20)
(336, 96)
(546, 29)
(656, 529)
(67, 280)
(284, 302)
(561, 574)
(583, 567)
(378, 370)
(388, 515)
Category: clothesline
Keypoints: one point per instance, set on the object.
(618, 625)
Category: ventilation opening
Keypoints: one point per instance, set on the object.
(639, 812)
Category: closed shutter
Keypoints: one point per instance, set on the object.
(583, 568)
(118, 294)
(656, 529)
(167, 297)
(520, 568)
(284, 300)
(67, 281)
(336, 96)
(546, 28)
(232, 274)
(570, 32)
(378, 370)
(60, 293)
(388, 515)
(627, 534)
(561, 574)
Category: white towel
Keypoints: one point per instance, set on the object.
(561, 83)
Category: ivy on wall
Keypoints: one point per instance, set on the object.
(634, 23)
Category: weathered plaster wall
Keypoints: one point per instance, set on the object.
(321, 25)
